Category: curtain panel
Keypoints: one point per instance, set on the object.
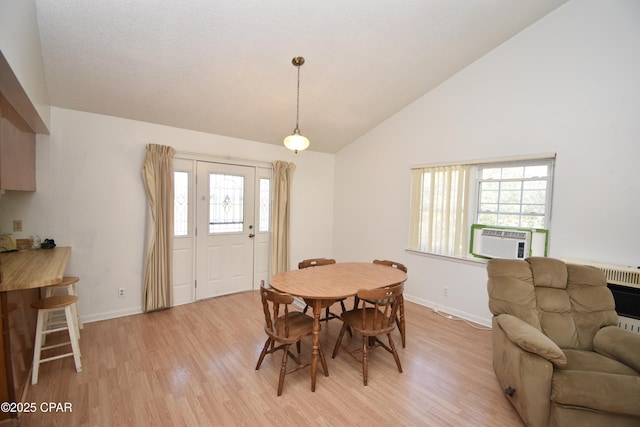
(280, 235)
(440, 198)
(157, 174)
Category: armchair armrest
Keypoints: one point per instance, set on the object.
(621, 345)
(530, 339)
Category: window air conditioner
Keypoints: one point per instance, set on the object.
(504, 243)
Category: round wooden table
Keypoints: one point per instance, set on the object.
(332, 282)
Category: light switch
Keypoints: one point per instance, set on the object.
(17, 225)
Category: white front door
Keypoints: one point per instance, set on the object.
(225, 231)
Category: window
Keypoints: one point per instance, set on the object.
(180, 203)
(447, 199)
(265, 204)
(226, 203)
(514, 195)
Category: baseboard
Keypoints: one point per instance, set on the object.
(449, 310)
(111, 315)
(300, 304)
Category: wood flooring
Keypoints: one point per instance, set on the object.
(194, 365)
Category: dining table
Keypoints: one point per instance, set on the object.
(318, 286)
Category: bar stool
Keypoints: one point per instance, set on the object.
(44, 327)
(68, 285)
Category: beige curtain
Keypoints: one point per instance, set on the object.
(440, 198)
(282, 176)
(157, 173)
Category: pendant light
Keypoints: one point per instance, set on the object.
(296, 141)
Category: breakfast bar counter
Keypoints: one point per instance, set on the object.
(22, 274)
(33, 268)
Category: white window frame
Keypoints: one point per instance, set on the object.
(458, 244)
(546, 216)
(187, 219)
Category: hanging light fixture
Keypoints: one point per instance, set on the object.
(296, 141)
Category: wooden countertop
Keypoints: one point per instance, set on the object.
(33, 268)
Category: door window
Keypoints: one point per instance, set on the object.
(180, 203)
(226, 203)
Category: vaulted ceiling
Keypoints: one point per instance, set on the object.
(224, 66)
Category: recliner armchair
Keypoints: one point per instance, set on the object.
(557, 350)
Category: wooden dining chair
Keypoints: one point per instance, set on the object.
(375, 317)
(284, 327)
(400, 316)
(319, 262)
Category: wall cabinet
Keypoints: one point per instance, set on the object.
(17, 150)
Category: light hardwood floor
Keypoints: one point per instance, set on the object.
(195, 365)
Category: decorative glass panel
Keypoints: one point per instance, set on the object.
(226, 203)
(265, 204)
(180, 203)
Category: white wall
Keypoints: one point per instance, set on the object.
(568, 84)
(91, 197)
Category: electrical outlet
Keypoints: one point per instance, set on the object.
(17, 225)
(120, 292)
(445, 291)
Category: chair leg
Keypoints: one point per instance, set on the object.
(401, 324)
(339, 341)
(264, 352)
(283, 369)
(324, 362)
(365, 357)
(394, 352)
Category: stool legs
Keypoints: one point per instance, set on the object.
(40, 337)
(41, 334)
(70, 289)
(74, 335)
(76, 314)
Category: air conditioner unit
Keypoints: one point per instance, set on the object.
(503, 243)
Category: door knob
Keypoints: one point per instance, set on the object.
(252, 235)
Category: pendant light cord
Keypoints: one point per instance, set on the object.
(298, 99)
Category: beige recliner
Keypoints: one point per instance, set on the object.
(557, 350)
